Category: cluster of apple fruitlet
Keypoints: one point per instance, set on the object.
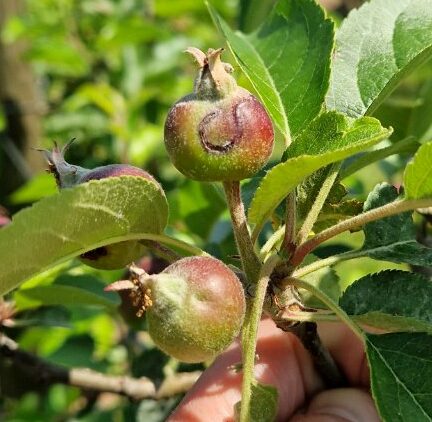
(221, 132)
(324, 89)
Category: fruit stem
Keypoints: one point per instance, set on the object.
(250, 261)
(387, 210)
(250, 333)
(161, 251)
(316, 207)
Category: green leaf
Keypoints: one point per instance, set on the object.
(335, 207)
(420, 124)
(392, 300)
(253, 12)
(405, 146)
(376, 46)
(393, 238)
(77, 220)
(378, 233)
(197, 205)
(287, 61)
(61, 295)
(329, 138)
(308, 190)
(409, 108)
(401, 373)
(39, 186)
(264, 403)
(326, 280)
(418, 174)
(332, 213)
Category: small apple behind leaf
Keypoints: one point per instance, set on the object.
(194, 308)
(116, 255)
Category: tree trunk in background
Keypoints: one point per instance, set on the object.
(22, 108)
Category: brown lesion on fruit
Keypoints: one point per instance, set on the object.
(208, 144)
(214, 141)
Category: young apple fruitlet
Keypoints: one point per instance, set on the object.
(116, 255)
(194, 308)
(221, 132)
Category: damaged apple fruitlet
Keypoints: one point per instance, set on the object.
(221, 132)
(116, 255)
(194, 308)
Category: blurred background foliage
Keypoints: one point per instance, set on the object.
(106, 72)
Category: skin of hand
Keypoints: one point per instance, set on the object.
(284, 363)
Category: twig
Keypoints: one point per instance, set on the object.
(134, 388)
(177, 384)
(87, 379)
(387, 210)
(322, 359)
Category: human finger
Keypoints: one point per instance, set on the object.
(339, 405)
(282, 362)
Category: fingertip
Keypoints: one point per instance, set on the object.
(281, 362)
(340, 405)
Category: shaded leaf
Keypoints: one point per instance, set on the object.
(333, 213)
(331, 138)
(325, 279)
(61, 295)
(197, 205)
(36, 188)
(308, 190)
(405, 146)
(335, 207)
(401, 374)
(393, 238)
(418, 174)
(392, 300)
(77, 220)
(421, 118)
(253, 12)
(376, 46)
(287, 61)
(264, 403)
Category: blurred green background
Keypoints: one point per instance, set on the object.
(106, 72)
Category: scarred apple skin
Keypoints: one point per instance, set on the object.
(221, 132)
(115, 170)
(116, 255)
(197, 308)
